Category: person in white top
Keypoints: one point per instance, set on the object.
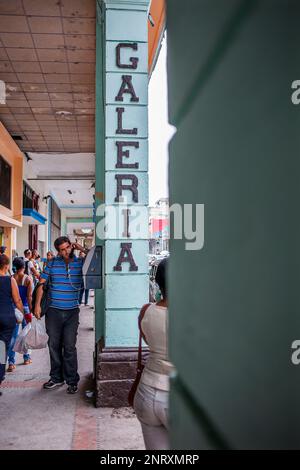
(152, 395)
(37, 269)
(30, 268)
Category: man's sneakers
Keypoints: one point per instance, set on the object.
(50, 385)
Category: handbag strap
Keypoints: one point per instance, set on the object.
(50, 272)
(141, 316)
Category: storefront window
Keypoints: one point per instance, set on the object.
(30, 198)
(5, 186)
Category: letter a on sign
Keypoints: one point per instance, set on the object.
(127, 87)
(126, 250)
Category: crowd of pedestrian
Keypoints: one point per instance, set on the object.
(66, 291)
(62, 316)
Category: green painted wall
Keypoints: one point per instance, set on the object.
(100, 156)
(233, 304)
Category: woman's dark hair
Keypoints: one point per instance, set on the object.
(18, 263)
(161, 277)
(4, 261)
(60, 240)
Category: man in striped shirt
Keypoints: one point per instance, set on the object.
(62, 317)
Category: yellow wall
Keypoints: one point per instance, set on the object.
(8, 241)
(12, 217)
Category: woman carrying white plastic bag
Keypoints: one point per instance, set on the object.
(24, 283)
(9, 296)
(37, 337)
(20, 344)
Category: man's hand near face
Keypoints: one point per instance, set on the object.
(78, 247)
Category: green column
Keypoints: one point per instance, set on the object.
(100, 155)
(121, 177)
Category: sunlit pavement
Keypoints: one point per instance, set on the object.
(33, 418)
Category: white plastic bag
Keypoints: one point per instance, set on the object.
(37, 337)
(20, 345)
(19, 315)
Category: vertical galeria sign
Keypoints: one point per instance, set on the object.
(126, 169)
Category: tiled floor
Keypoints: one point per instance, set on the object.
(32, 418)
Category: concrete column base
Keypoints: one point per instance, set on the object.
(115, 371)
